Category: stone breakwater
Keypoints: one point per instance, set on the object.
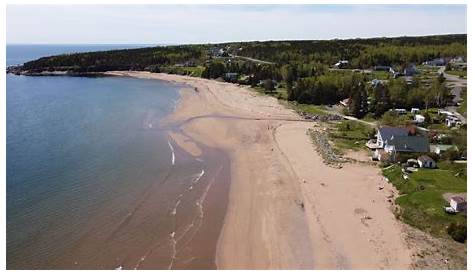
(323, 147)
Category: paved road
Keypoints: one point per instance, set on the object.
(452, 80)
(253, 60)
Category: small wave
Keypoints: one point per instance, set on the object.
(172, 153)
(173, 250)
(199, 176)
(175, 207)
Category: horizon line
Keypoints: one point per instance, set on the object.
(225, 42)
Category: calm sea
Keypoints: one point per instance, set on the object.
(93, 182)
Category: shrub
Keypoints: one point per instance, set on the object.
(458, 232)
(450, 154)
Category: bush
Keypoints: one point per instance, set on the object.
(458, 232)
(269, 85)
(450, 154)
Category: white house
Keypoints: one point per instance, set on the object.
(419, 118)
(445, 112)
(415, 110)
(400, 111)
(393, 140)
(452, 121)
(341, 64)
(458, 203)
(386, 133)
(426, 162)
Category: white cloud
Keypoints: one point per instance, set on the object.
(197, 24)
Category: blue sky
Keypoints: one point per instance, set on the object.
(173, 24)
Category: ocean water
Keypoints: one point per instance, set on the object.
(94, 181)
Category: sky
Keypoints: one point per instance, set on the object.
(185, 24)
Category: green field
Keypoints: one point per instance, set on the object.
(351, 135)
(308, 109)
(463, 107)
(279, 93)
(421, 201)
(380, 75)
(461, 73)
(191, 71)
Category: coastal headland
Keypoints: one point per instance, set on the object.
(286, 208)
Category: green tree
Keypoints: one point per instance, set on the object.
(381, 102)
(358, 105)
(269, 85)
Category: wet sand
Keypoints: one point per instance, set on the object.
(286, 209)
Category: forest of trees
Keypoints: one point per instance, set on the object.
(361, 53)
(302, 66)
(307, 56)
(126, 59)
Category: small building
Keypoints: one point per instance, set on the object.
(452, 121)
(435, 62)
(458, 66)
(410, 70)
(383, 68)
(458, 59)
(415, 110)
(341, 64)
(419, 119)
(400, 111)
(459, 204)
(445, 112)
(231, 76)
(346, 102)
(426, 161)
(376, 82)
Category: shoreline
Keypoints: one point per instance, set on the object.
(286, 209)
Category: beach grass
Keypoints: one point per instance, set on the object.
(421, 201)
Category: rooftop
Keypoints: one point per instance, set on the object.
(409, 143)
(458, 199)
(389, 132)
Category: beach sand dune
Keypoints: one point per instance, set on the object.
(287, 210)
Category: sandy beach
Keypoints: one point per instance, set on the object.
(286, 209)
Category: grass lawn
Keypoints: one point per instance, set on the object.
(380, 75)
(463, 107)
(462, 73)
(309, 109)
(279, 93)
(191, 71)
(350, 135)
(421, 200)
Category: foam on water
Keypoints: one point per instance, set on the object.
(172, 153)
